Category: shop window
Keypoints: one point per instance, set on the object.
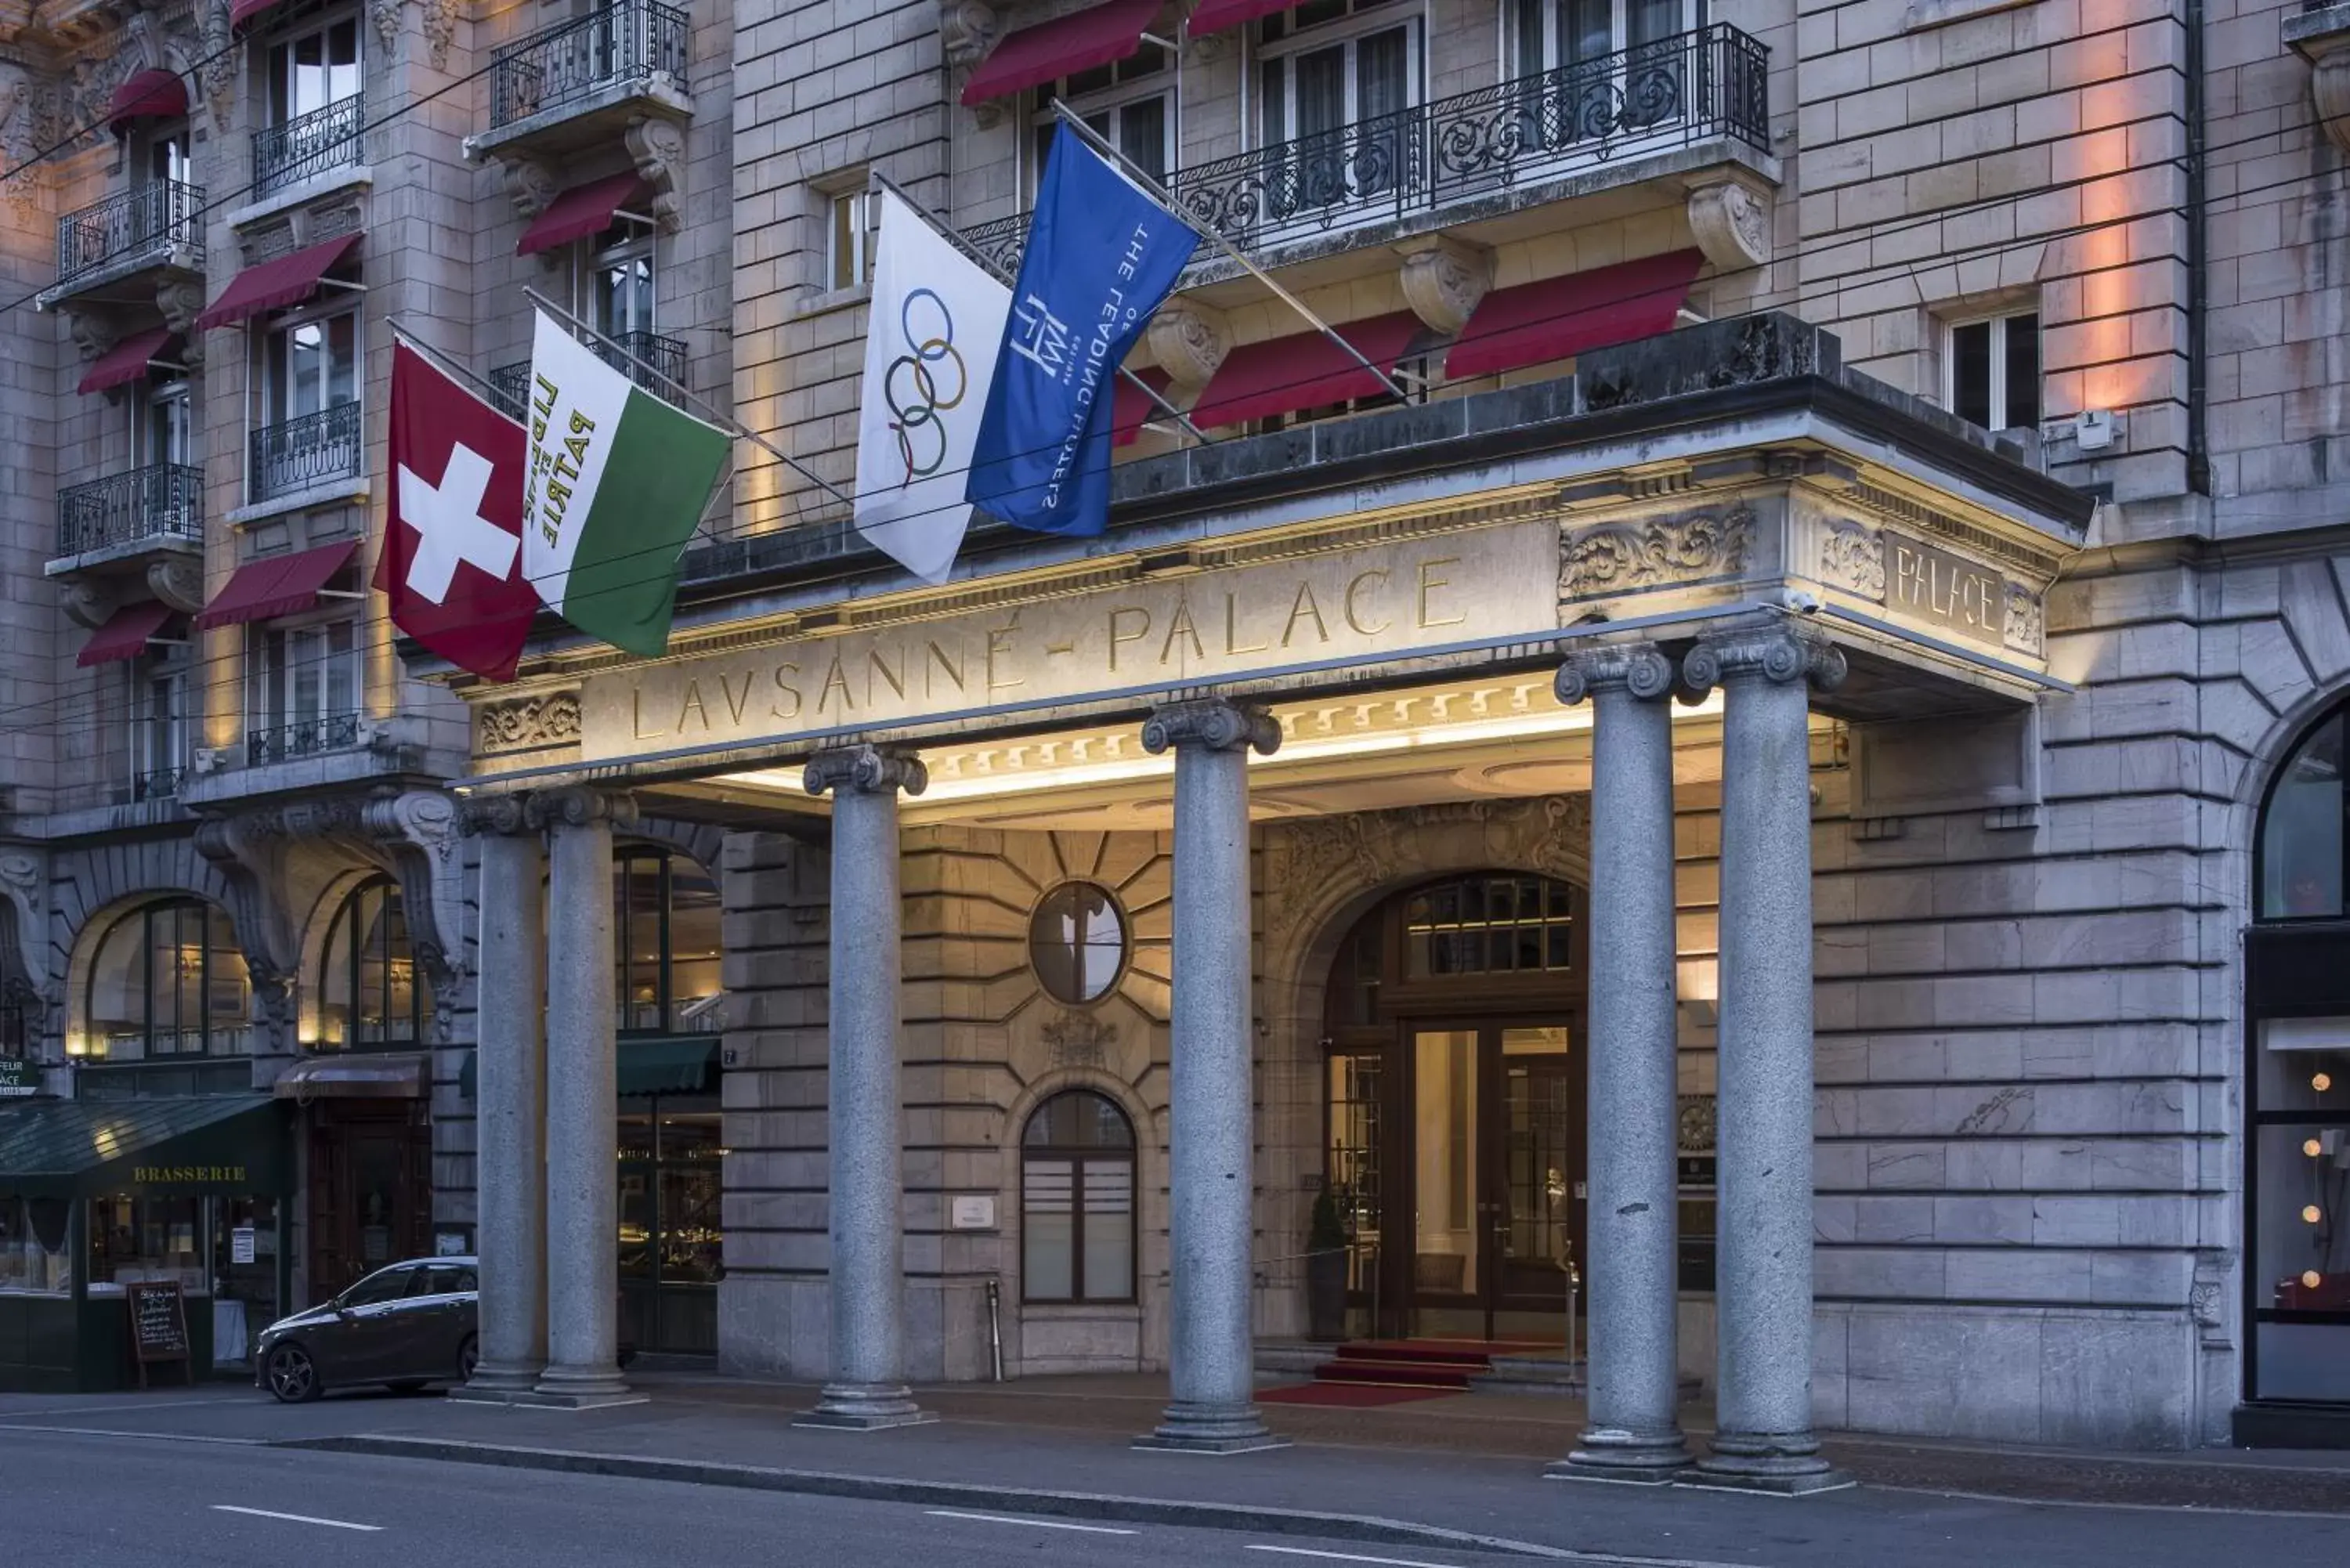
(1076, 1201)
(34, 1258)
(370, 994)
(667, 932)
(167, 980)
(135, 1239)
(1077, 942)
(672, 1235)
(1489, 925)
(1993, 371)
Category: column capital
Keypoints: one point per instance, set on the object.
(578, 805)
(1638, 667)
(1212, 723)
(868, 770)
(493, 814)
(1778, 652)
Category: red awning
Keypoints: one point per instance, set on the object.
(1215, 15)
(1560, 317)
(240, 11)
(1129, 408)
(581, 210)
(146, 94)
(126, 361)
(125, 634)
(279, 585)
(1063, 46)
(1303, 370)
(288, 280)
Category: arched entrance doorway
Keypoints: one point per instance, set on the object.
(1452, 1033)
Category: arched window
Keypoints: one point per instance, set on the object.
(665, 912)
(1076, 1201)
(370, 994)
(167, 981)
(2301, 841)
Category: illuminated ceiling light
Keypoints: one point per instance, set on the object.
(2313, 1148)
(2312, 1213)
(2312, 1279)
(2321, 1082)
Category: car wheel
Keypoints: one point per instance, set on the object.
(293, 1376)
(469, 1355)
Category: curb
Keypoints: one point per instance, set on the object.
(958, 1494)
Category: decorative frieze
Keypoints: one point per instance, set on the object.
(1655, 552)
(528, 723)
(1851, 557)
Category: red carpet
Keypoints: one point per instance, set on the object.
(1354, 1395)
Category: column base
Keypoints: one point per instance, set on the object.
(1617, 1454)
(864, 1407)
(497, 1384)
(1189, 1426)
(1786, 1463)
(579, 1388)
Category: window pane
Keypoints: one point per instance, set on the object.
(338, 1009)
(141, 1238)
(1970, 373)
(1142, 135)
(1077, 942)
(1109, 1230)
(118, 992)
(2022, 370)
(2301, 836)
(230, 998)
(695, 946)
(2302, 1259)
(844, 241)
(1047, 1230)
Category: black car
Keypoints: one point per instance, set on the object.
(403, 1327)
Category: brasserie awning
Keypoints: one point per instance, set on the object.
(1559, 318)
(1060, 48)
(275, 586)
(146, 94)
(582, 210)
(81, 1148)
(666, 1066)
(370, 1075)
(1303, 370)
(275, 284)
(126, 361)
(1215, 15)
(125, 634)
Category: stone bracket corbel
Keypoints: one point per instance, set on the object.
(181, 299)
(178, 581)
(531, 182)
(2322, 38)
(658, 146)
(250, 851)
(1445, 279)
(89, 603)
(968, 31)
(1730, 213)
(25, 898)
(417, 831)
(1189, 340)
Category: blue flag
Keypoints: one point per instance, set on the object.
(1101, 255)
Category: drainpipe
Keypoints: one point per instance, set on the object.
(2199, 448)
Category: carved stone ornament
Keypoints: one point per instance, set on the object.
(1774, 650)
(494, 813)
(530, 721)
(530, 185)
(178, 581)
(2026, 626)
(1696, 1123)
(1731, 221)
(1211, 723)
(967, 29)
(417, 829)
(89, 603)
(868, 770)
(658, 146)
(1638, 667)
(220, 57)
(439, 30)
(1736, 352)
(1445, 279)
(1080, 1039)
(1189, 340)
(24, 883)
(31, 115)
(385, 14)
(1851, 557)
(578, 805)
(2321, 34)
(95, 328)
(1616, 557)
(181, 299)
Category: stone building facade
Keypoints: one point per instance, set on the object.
(2082, 647)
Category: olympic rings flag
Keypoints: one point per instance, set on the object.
(929, 354)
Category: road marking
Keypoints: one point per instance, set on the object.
(1350, 1557)
(145, 1436)
(294, 1518)
(160, 1405)
(1034, 1523)
(1561, 1554)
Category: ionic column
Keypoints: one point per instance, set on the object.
(509, 1102)
(1632, 1425)
(867, 1388)
(1211, 1356)
(1764, 1288)
(583, 1104)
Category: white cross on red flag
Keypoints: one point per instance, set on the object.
(451, 562)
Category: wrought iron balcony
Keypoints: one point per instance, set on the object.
(308, 145)
(302, 737)
(510, 386)
(145, 222)
(162, 502)
(156, 783)
(1706, 86)
(638, 355)
(316, 449)
(629, 43)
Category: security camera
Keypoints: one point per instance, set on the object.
(1799, 601)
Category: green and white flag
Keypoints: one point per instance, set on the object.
(617, 481)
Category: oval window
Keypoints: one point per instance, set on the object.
(1076, 940)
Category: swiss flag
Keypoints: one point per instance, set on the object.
(451, 562)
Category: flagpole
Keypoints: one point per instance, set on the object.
(724, 420)
(1166, 203)
(488, 388)
(987, 264)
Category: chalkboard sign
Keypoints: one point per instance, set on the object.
(159, 1325)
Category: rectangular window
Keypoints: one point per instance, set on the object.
(311, 366)
(304, 676)
(158, 722)
(1130, 105)
(313, 67)
(1995, 371)
(848, 246)
(135, 1239)
(623, 284)
(163, 424)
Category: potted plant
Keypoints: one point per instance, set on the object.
(1325, 1271)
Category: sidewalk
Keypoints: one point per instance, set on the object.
(1463, 1472)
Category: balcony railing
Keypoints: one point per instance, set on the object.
(302, 737)
(316, 449)
(165, 502)
(510, 386)
(145, 220)
(647, 359)
(308, 144)
(626, 43)
(1678, 91)
(156, 783)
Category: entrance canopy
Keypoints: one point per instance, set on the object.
(81, 1148)
(646, 1067)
